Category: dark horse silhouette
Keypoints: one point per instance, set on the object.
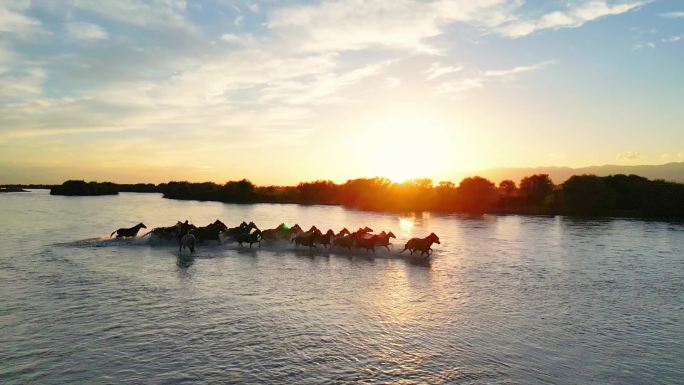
(422, 244)
(130, 232)
(188, 240)
(210, 232)
(171, 232)
(243, 228)
(280, 232)
(250, 238)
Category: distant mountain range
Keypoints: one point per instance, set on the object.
(671, 172)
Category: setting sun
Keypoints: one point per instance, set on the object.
(406, 146)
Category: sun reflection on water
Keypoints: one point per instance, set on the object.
(406, 224)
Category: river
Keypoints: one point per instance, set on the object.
(503, 299)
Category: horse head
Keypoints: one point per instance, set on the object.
(142, 225)
(313, 228)
(434, 238)
(330, 233)
(344, 231)
(367, 229)
(221, 226)
(296, 227)
(391, 235)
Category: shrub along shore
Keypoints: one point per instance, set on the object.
(581, 195)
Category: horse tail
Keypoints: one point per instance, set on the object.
(112, 234)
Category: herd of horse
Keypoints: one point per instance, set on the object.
(188, 236)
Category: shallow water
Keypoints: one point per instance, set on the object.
(505, 299)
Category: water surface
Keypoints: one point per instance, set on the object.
(505, 299)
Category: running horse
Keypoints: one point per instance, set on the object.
(129, 232)
(210, 232)
(367, 243)
(188, 240)
(346, 241)
(384, 239)
(327, 238)
(171, 232)
(422, 244)
(250, 238)
(280, 232)
(310, 238)
(243, 228)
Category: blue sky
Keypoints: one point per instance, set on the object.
(283, 91)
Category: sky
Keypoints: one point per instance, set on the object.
(286, 91)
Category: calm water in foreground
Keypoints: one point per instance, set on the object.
(508, 299)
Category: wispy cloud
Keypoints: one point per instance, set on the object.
(629, 155)
(481, 78)
(148, 14)
(673, 39)
(13, 19)
(672, 15)
(578, 14)
(86, 31)
(436, 70)
(398, 24)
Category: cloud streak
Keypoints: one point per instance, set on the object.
(577, 15)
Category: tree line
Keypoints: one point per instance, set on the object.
(582, 195)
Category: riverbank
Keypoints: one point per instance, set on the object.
(581, 195)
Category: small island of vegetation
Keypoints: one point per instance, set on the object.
(11, 188)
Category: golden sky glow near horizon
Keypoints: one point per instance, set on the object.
(282, 92)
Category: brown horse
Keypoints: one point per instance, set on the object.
(307, 239)
(326, 238)
(422, 244)
(343, 232)
(384, 239)
(367, 243)
(346, 241)
(128, 232)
